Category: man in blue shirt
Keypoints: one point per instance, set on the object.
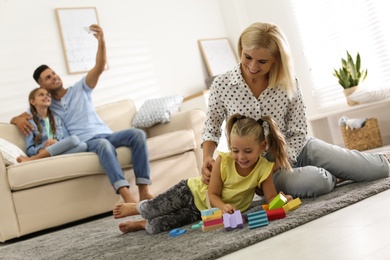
(74, 106)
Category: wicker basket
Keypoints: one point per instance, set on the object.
(367, 137)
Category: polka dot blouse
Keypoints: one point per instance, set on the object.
(229, 94)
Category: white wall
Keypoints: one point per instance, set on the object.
(152, 45)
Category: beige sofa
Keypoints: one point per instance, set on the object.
(49, 192)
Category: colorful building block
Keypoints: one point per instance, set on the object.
(212, 227)
(213, 222)
(196, 226)
(208, 212)
(177, 232)
(273, 214)
(291, 205)
(214, 215)
(232, 221)
(277, 202)
(257, 219)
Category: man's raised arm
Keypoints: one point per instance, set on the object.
(101, 58)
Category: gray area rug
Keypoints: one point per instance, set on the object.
(101, 239)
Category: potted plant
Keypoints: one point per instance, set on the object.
(350, 75)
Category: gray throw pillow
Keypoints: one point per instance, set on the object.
(155, 111)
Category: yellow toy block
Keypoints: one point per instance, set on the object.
(216, 214)
(291, 205)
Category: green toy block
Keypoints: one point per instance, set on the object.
(277, 202)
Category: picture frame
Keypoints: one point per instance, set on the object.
(218, 55)
(79, 45)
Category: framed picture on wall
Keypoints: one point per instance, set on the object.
(218, 55)
(79, 44)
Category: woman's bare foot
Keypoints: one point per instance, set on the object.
(131, 226)
(21, 159)
(387, 157)
(125, 210)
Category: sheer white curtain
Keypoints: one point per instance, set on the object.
(330, 28)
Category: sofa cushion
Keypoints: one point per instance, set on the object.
(63, 167)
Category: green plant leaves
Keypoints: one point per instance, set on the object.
(350, 73)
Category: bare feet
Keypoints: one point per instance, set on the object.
(144, 194)
(387, 157)
(126, 195)
(21, 159)
(125, 210)
(131, 226)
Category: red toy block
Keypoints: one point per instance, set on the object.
(212, 222)
(273, 214)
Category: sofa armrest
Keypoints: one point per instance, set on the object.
(9, 227)
(187, 120)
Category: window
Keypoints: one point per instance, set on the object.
(328, 29)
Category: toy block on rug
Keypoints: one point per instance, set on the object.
(196, 226)
(277, 202)
(274, 214)
(177, 232)
(257, 219)
(233, 221)
(292, 205)
(212, 219)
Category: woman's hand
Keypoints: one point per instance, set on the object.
(206, 169)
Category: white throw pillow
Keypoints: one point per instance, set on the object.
(158, 110)
(10, 152)
(367, 95)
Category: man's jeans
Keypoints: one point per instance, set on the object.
(104, 146)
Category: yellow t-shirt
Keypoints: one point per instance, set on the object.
(236, 190)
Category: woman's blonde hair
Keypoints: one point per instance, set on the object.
(245, 126)
(268, 36)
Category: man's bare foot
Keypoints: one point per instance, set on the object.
(126, 195)
(21, 159)
(125, 210)
(131, 226)
(143, 191)
(146, 196)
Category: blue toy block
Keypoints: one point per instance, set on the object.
(177, 232)
(257, 219)
(232, 221)
(208, 212)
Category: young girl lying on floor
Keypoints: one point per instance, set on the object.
(232, 185)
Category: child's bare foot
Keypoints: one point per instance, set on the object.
(125, 210)
(21, 159)
(131, 226)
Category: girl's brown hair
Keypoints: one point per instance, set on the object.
(34, 113)
(246, 126)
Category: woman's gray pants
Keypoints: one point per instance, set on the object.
(320, 164)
